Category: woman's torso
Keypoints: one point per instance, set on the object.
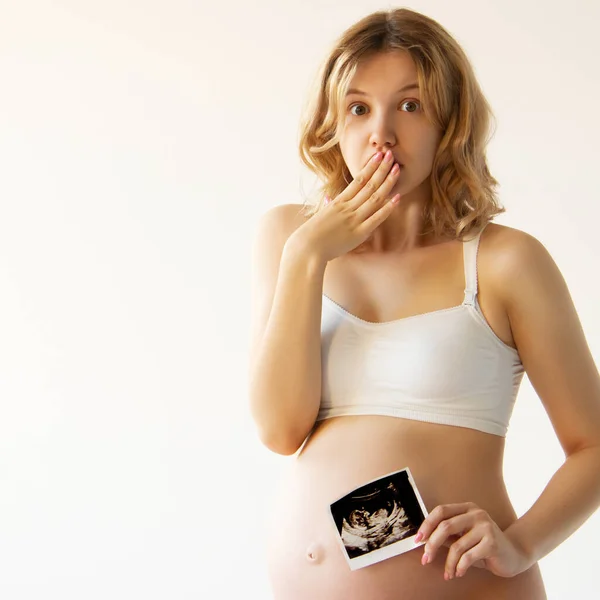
(449, 464)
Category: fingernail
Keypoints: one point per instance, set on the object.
(425, 559)
(418, 537)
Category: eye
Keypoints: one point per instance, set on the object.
(415, 102)
(412, 102)
(354, 106)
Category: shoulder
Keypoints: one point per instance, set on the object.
(281, 220)
(271, 232)
(505, 240)
(517, 264)
(510, 251)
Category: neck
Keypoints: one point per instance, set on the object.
(404, 229)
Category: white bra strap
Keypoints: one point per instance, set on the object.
(470, 265)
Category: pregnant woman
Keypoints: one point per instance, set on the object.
(392, 325)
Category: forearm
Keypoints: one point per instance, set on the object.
(569, 499)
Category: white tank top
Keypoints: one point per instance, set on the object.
(446, 366)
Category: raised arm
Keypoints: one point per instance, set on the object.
(285, 347)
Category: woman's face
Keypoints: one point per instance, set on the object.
(384, 118)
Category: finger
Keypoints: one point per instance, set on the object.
(473, 557)
(450, 540)
(458, 551)
(380, 196)
(438, 514)
(452, 526)
(376, 190)
(372, 166)
(379, 216)
(368, 181)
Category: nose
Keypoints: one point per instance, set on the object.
(383, 135)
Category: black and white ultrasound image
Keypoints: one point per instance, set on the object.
(377, 514)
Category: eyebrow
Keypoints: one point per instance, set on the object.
(410, 86)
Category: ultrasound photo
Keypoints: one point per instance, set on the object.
(379, 519)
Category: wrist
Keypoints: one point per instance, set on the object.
(297, 249)
(526, 555)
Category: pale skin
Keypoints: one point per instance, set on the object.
(395, 122)
(555, 354)
(539, 319)
(458, 470)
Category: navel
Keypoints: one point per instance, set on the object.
(315, 553)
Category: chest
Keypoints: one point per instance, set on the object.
(381, 289)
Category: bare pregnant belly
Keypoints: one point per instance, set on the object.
(449, 464)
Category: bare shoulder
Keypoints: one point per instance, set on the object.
(507, 258)
(293, 216)
(280, 221)
(526, 281)
(508, 252)
(503, 238)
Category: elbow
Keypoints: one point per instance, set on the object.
(282, 435)
(282, 440)
(281, 444)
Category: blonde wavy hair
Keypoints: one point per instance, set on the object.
(463, 190)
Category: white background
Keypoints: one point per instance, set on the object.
(139, 143)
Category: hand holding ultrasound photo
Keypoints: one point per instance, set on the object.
(379, 519)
